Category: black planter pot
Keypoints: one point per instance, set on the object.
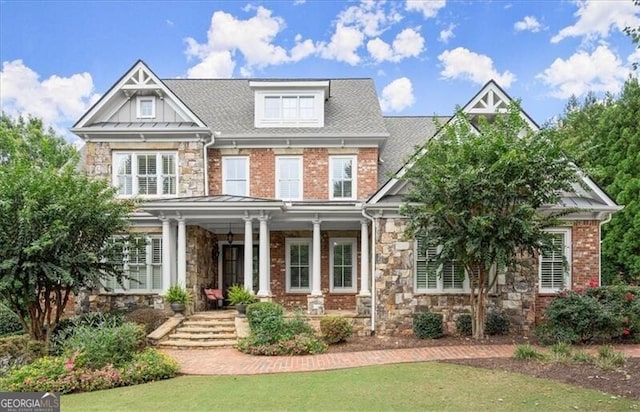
(242, 310)
(178, 309)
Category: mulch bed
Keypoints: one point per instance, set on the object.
(624, 381)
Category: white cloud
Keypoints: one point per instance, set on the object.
(343, 45)
(447, 34)
(634, 57)
(299, 2)
(428, 8)
(227, 35)
(397, 95)
(600, 71)
(58, 101)
(302, 49)
(370, 17)
(461, 63)
(529, 23)
(597, 18)
(408, 43)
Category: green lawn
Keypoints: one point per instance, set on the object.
(420, 386)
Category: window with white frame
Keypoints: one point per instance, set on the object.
(141, 257)
(289, 109)
(343, 264)
(146, 107)
(289, 178)
(450, 276)
(145, 173)
(235, 175)
(342, 179)
(298, 263)
(555, 265)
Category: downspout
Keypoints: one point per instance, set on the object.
(602, 222)
(205, 159)
(372, 268)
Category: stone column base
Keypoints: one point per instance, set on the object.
(315, 305)
(363, 304)
(265, 298)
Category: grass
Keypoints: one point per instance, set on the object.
(417, 386)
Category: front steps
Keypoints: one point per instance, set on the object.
(204, 330)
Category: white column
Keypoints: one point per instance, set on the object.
(166, 255)
(264, 289)
(182, 253)
(315, 284)
(364, 258)
(248, 254)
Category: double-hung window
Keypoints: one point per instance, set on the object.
(298, 263)
(342, 261)
(289, 178)
(448, 277)
(145, 173)
(555, 269)
(141, 258)
(342, 178)
(235, 175)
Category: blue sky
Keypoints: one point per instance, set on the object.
(426, 57)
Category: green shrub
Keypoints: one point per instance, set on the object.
(428, 325)
(561, 352)
(582, 357)
(335, 329)
(150, 318)
(579, 318)
(496, 323)
(266, 321)
(96, 347)
(148, 366)
(66, 327)
(298, 345)
(9, 322)
(463, 324)
(17, 351)
(298, 325)
(527, 352)
(608, 358)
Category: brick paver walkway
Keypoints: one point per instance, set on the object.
(232, 362)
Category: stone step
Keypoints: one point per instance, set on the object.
(207, 329)
(213, 315)
(208, 323)
(189, 344)
(202, 336)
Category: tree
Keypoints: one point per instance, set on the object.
(603, 136)
(477, 197)
(56, 225)
(634, 33)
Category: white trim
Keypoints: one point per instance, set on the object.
(225, 190)
(139, 100)
(354, 264)
(300, 177)
(134, 172)
(129, 286)
(566, 231)
(354, 176)
(297, 241)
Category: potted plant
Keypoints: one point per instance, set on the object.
(240, 297)
(178, 297)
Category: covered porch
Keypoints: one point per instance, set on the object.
(313, 256)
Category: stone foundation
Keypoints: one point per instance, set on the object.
(87, 301)
(315, 305)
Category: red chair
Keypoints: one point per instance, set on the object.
(214, 297)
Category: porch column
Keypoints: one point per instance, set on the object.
(248, 254)
(182, 253)
(264, 289)
(364, 258)
(315, 284)
(166, 255)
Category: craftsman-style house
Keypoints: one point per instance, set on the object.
(289, 187)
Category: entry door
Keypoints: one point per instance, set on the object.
(232, 265)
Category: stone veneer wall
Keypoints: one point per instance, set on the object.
(396, 300)
(201, 267)
(190, 161)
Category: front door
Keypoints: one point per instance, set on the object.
(232, 266)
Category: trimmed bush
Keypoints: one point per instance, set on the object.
(335, 329)
(266, 321)
(463, 324)
(428, 325)
(9, 322)
(150, 318)
(96, 347)
(496, 323)
(19, 350)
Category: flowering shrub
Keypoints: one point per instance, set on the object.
(595, 314)
(298, 345)
(335, 329)
(60, 374)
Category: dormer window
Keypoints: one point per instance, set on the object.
(146, 107)
(290, 104)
